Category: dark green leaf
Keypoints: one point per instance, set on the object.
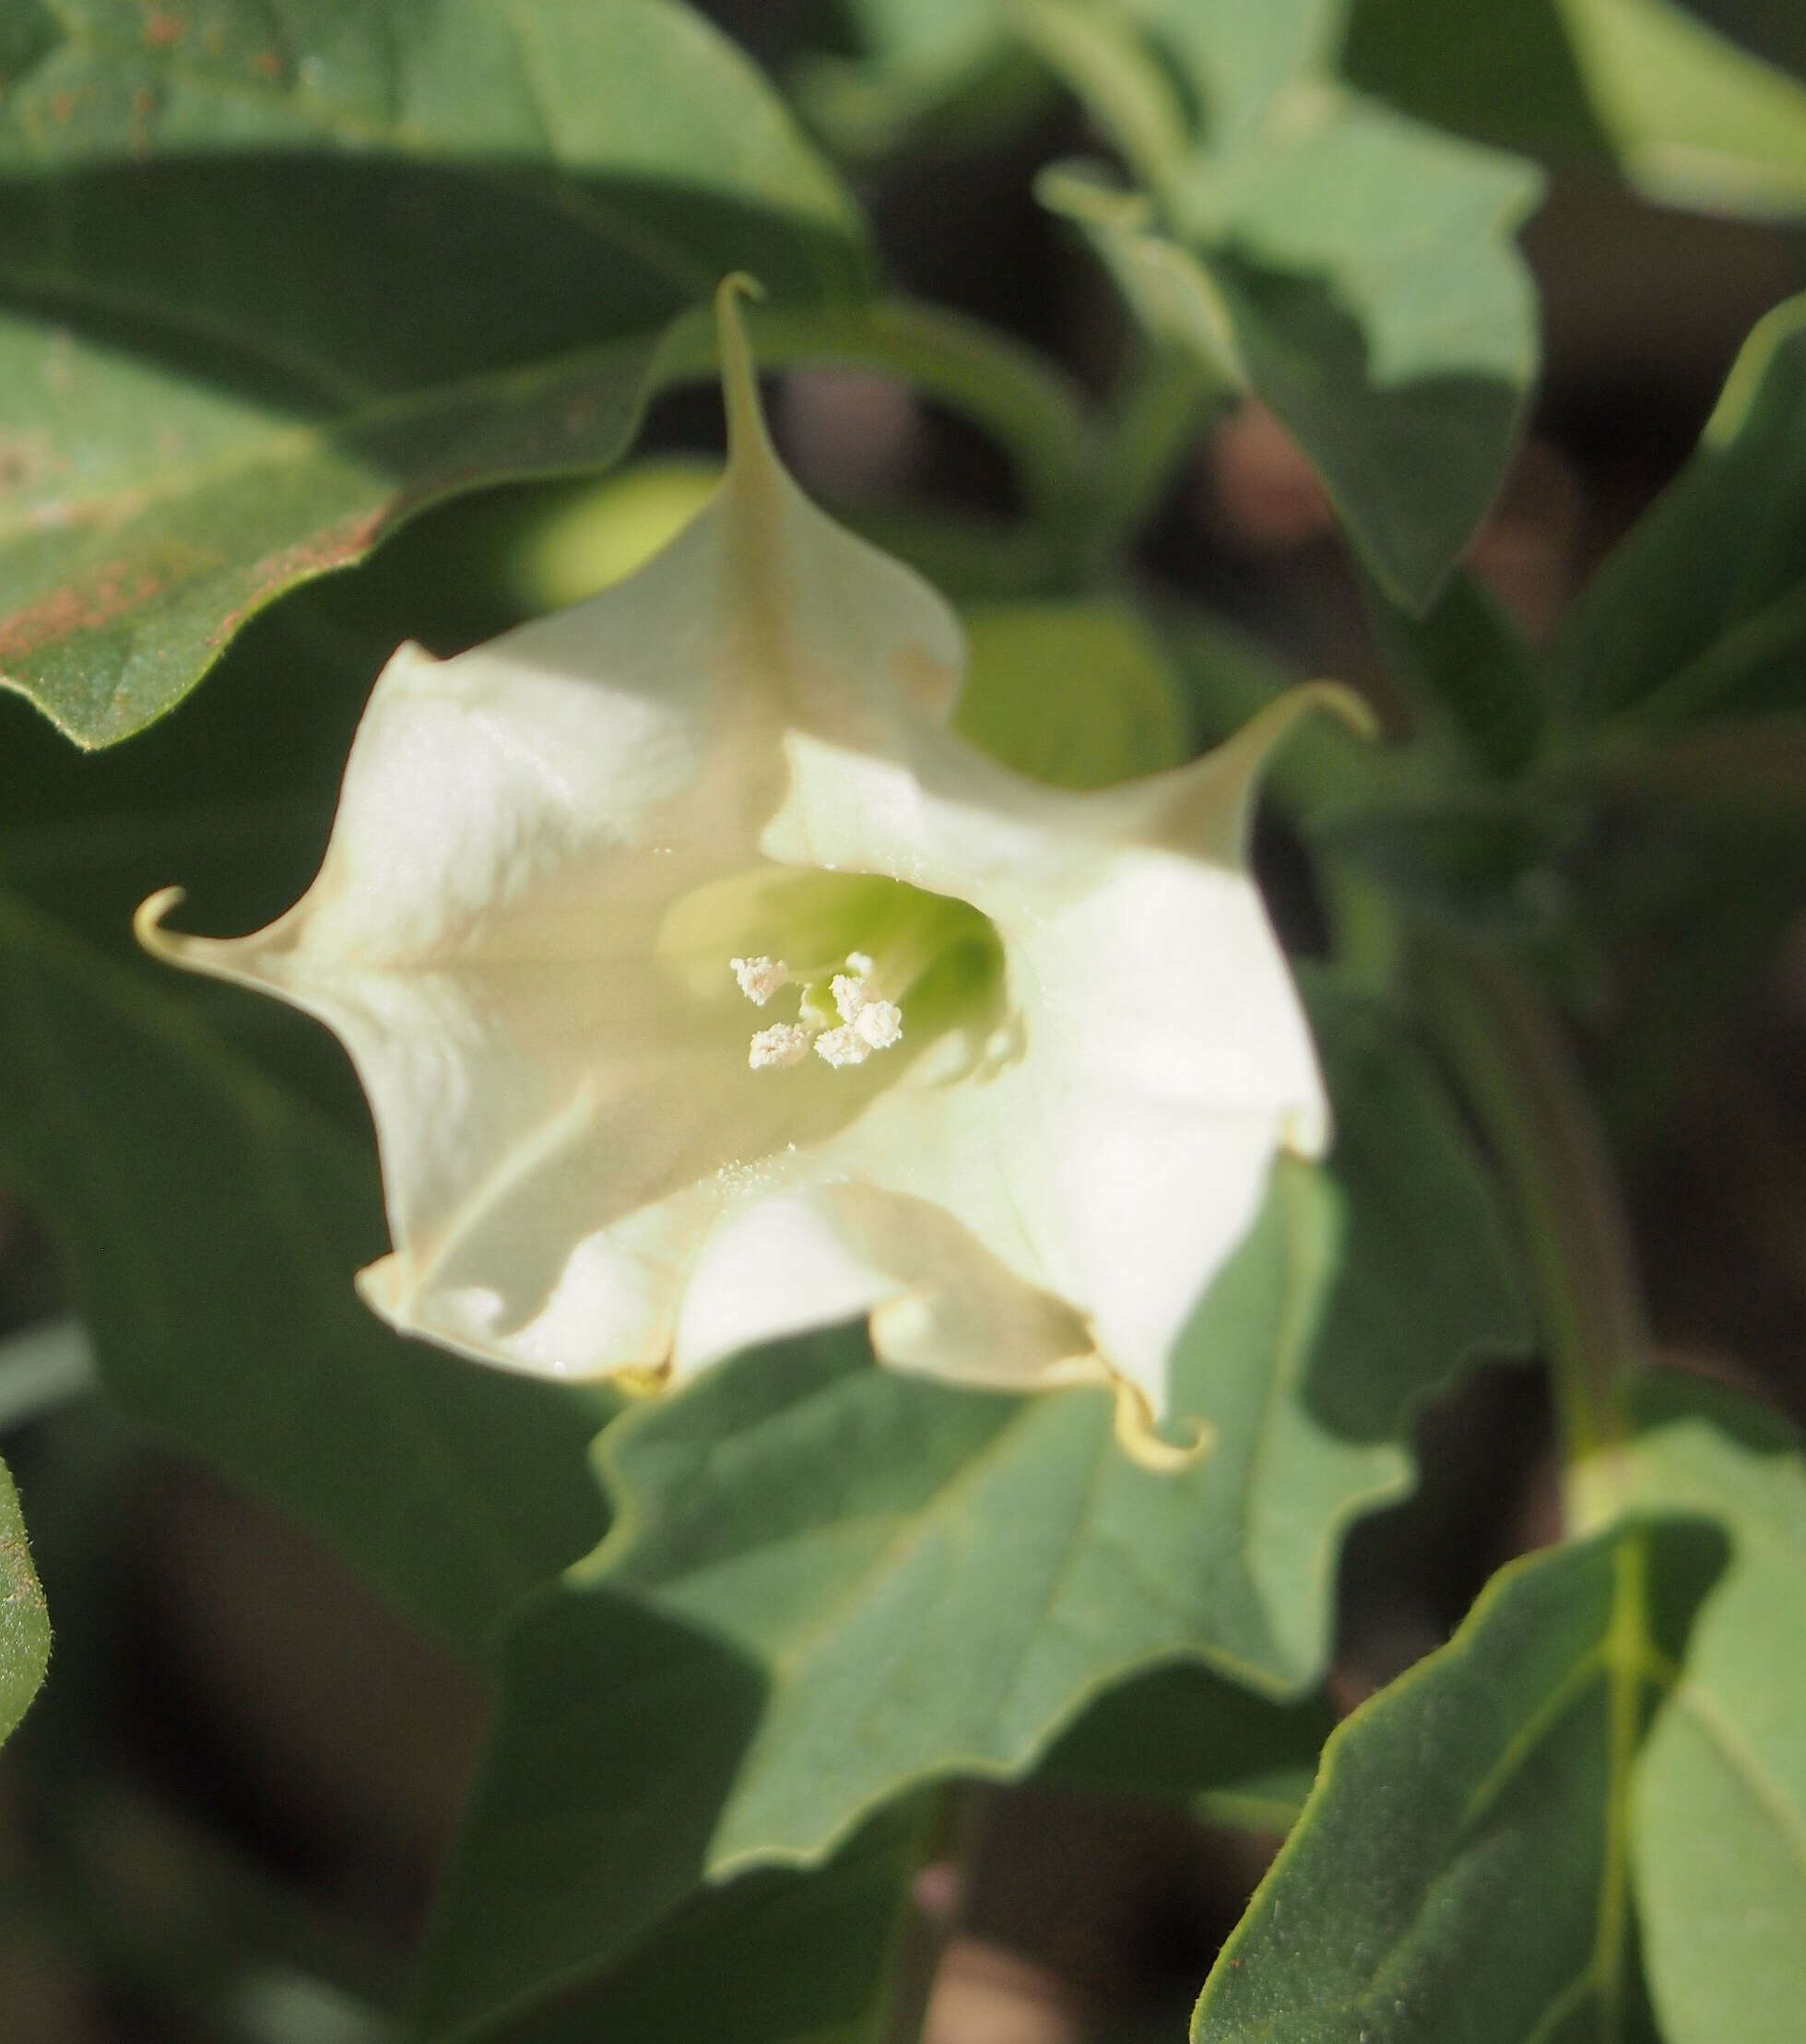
(830, 1580)
(775, 1957)
(210, 1222)
(1182, 1734)
(1428, 1279)
(637, 125)
(24, 1624)
(1505, 74)
(1702, 610)
(933, 73)
(583, 1872)
(1351, 268)
(1704, 897)
(1470, 673)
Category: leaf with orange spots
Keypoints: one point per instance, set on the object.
(146, 515)
(283, 276)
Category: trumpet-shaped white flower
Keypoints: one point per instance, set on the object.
(705, 987)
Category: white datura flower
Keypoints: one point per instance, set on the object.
(707, 987)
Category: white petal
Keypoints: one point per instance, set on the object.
(515, 933)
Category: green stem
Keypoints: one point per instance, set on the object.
(1367, 930)
(1522, 1083)
(1165, 404)
(1029, 406)
(953, 1830)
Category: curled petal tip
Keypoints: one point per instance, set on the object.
(148, 922)
(736, 284)
(1211, 802)
(1137, 1438)
(381, 1287)
(1342, 701)
(1267, 729)
(740, 378)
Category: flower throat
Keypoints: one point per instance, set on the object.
(848, 965)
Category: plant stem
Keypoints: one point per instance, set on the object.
(1165, 400)
(953, 1831)
(1367, 932)
(1523, 1086)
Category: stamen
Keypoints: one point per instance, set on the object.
(841, 1047)
(782, 1044)
(879, 1024)
(866, 1021)
(760, 978)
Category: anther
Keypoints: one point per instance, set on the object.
(841, 1047)
(782, 1044)
(760, 978)
(879, 1024)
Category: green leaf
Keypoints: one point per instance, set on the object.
(1429, 1278)
(1469, 672)
(829, 1582)
(582, 1874)
(1353, 269)
(24, 1622)
(1182, 1734)
(774, 1957)
(1238, 61)
(1077, 693)
(1604, 1762)
(638, 121)
(209, 1222)
(214, 391)
(1707, 898)
(1459, 1870)
(1702, 610)
(151, 513)
(1689, 117)
(1504, 74)
(934, 72)
(1719, 1802)
(929, 1581)
(1693, 119)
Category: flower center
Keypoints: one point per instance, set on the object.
(849, 949)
